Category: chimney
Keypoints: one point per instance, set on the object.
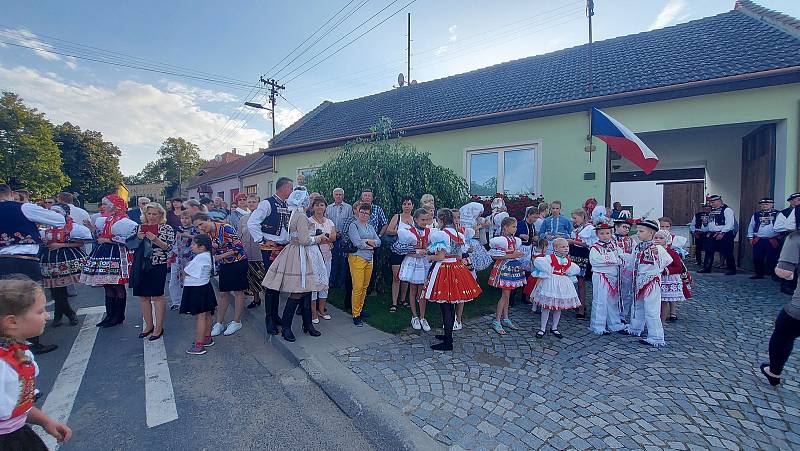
(233, 151)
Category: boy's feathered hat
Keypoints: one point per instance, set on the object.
(604, 223)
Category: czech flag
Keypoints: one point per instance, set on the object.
(623, 141)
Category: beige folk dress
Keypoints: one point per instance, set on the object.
(299, 268)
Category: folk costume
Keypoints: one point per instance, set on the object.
(62, 266)
(20, 239)
(786, 223)
(470, 215)
(450, 282)
(762, 235)
(579, 254)
(415, 265)
(651, 261)
(109, 263)
(719, 238)
(300, 268)
(555, 290)
(699, 228)
(606, 263)
(269, 222)
(506, 273)
(18, 372)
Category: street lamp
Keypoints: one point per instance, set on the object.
(257, 105)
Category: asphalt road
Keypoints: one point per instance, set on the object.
(241, 395)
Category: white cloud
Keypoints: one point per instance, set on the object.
(453, 32)
(26, 38)
(673, 11)
(441, 50)
(199, 94)
(135, 116)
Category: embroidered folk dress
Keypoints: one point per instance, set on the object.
(555, 289)
(651, 260)
(415, 265)
(606, 263)
(300, 267)
(109, 263)
(671, 282)
(450, 281)
(63, 266)
(509, 273)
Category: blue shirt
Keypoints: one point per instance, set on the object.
(556, 225)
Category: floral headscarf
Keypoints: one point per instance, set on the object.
(299, 198)
(112, 200)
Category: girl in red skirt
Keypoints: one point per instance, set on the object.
(449, 282)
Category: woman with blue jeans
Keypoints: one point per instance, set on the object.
(366, 240)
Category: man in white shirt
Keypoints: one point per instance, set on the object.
(19, 245)
(338, 212)
(763, 238)
(719, 238)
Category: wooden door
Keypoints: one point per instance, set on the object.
(682, 200)
(758, 173)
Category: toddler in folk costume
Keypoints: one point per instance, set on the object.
(651, 260)
(555, 290)
(606, 260)
(507, 273)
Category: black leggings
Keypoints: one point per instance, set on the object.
(116, 291)
(787, 329)
(448, 320)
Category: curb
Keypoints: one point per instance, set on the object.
(382, 424)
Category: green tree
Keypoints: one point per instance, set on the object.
(28, 156)
(178, 161)
(392, 168)
(91, 163)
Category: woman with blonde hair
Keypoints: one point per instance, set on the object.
(152, 242)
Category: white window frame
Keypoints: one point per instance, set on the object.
(308, 168)
(501, 149)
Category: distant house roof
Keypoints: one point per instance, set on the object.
(262, 164)
(720, 49)
(224, 171)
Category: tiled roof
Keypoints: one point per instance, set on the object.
(264, 163)
(728, 44)
(225, 171)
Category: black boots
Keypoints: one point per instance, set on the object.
(448, 319)
(115, 312)
(271, 318)
(308, 326)
(38, 348)
(109, 313)
(62, 307)
(288, 316)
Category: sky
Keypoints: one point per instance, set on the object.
(205, 58)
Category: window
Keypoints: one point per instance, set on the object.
(511, 170)
(251, 189)
(269, 188)
(221, 195)
(304, 175)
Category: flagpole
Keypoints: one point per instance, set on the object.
(589, 86)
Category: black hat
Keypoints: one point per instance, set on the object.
(650, 224)
(766, 200)
(714, 197)
(793, 196)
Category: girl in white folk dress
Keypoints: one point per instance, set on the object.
(415, 265)
(555, 290)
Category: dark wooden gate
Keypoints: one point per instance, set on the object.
(758, 175)
(682, 200)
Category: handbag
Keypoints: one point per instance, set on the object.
(389, 240)
(686, 282)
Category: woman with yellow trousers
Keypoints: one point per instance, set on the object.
(365, 239)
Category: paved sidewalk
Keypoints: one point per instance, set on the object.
(702, 391)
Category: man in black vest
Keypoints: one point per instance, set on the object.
(719, 238)
(269, 226)
(786, 223)
(698, 228)
(19, 247)
(763, 238)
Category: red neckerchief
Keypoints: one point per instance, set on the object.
(59, 234)
(455, 237)
(110, 221)
(422, 240)
(26, 371)
(512, 245)
(558, 268)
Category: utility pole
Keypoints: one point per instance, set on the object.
(274, 87)
(409, 49)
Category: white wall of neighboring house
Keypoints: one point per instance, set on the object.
(263, 181)
(223, 185)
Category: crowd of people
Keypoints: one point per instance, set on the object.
(295, 242)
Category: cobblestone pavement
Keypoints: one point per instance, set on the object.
(586, 392)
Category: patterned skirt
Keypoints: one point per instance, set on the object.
(450, 281)
(556, 293)
(480, 256)
(672, 288)
(109, 264)
(61, 267)
(507, 274)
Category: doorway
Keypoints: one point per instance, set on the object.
(758, 174)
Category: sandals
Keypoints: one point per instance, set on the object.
(540, 334)
(506, 322)
(498, 327)
(392, 309)
(556, 334)
(673, 318)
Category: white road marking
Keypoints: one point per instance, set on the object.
(60, 399)
(159, 396)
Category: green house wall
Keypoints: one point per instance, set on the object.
(562, 138)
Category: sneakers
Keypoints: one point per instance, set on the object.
(232, 328)
(208, 343)
(196, 350)
(415, 323)
(217, 329)
(326, 317)
(357, 322)
(315, 321)
(457, 326)
(425, 326)
(506, 322)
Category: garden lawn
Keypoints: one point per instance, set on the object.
(377, 307)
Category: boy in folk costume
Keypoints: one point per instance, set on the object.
(604, 256)
(626, 245)
(651, 260)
